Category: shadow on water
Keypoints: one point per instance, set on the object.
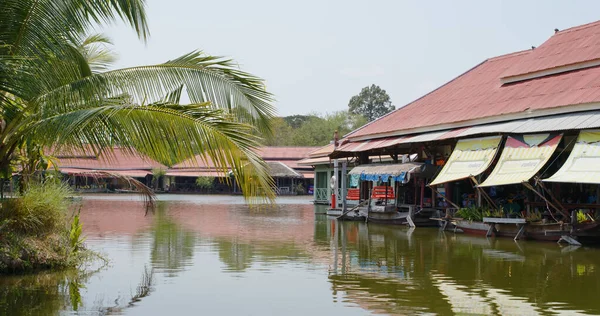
(342, 267)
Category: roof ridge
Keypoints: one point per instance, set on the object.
(517, 53)
(578, 27)
(349, 135)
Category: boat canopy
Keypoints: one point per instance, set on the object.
(397, 171)
(522, 157)
(583, 164)
(470, 157)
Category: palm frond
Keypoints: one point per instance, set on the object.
(166, 133)
(205, 78)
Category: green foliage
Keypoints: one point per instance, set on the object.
(497, 213)
(205, 182)
(473, 213)
(533, 216)
(39, 210)
(312, 130)
(372, 102)
(75, 238)
(300, 189)
(55, 93)
(582, 217)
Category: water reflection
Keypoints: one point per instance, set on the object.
(191, 254)
(398, 270)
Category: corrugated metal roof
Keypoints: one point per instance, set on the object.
(314, 161)
(323, 151)
(522, 158)
(285, 152)
(570, 46)
(583, 164)
(479, 93)
(280, 170)
(561, 122)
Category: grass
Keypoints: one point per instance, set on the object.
(37, 230)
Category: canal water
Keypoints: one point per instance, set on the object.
(212, 255)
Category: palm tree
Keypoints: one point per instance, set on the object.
(56, 92)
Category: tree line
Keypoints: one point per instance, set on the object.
(317, 129)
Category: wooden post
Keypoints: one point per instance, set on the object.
(422, 191)
(483, 193)
(527, 185)
(343, 189)
(556, 202)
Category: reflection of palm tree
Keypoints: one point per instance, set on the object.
(172, 246)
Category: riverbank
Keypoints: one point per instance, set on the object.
(40, 229)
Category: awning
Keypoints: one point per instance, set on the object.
(374, 172)
(522, 157)
(583, 164)
(314, 161)
(470, 158)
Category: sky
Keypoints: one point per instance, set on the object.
(315, 55)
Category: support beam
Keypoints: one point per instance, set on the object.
(343, 189)
(520, 232)
(444, 197)
(527, 185)
(483, 193)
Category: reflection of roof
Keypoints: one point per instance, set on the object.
(480, 96)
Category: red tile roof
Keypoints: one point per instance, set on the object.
(480, 94)
(571, 46)
(119, 159)
(279, 153)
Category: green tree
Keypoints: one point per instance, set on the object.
(56, 93)
(372, 103)
(205, 183)
(318, 131)
(282, 133)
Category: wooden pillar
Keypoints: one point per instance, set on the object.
(422, 181)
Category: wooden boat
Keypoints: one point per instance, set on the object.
(499, 227)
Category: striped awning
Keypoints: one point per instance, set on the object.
(374, 172)
(583, 164)
(470, 157)
(522, 157)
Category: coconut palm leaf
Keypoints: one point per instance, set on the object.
(166, 133)
(205, 78)
(54, 93)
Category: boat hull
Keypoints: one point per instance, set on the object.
(586, 233)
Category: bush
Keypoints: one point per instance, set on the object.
(473, 213)
(39, 210)
(36, 231)
(205, 182)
